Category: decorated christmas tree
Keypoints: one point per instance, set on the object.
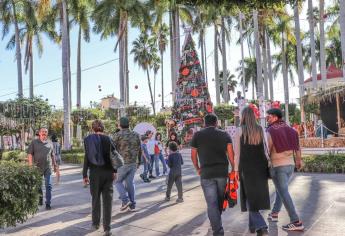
(192, 101)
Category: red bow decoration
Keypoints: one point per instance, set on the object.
(275, 104)
(255, 110)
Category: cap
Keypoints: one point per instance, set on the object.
(124, 122)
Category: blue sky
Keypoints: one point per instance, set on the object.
(48, 67)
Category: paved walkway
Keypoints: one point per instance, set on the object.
(319, 199)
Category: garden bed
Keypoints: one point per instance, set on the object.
(317, 142)
(329, 163)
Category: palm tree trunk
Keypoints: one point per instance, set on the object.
(264, 61)
(299, 60)
(205, 55)
(285, 80)
(342, 32)
(149, 83)
(177, 45)
(126, 67)
(121, 60)
(79, 70)
(216, 69)
(312, 43)
(269, 64)
(154, 88)
(18, 52)
(259, 91)
(31, 74)
(322, 44)
(225, 70)
(69, 63)
(242, 55)
(162, 78)
(65, 75)
(172, 52)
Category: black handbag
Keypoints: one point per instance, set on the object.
(115, 157)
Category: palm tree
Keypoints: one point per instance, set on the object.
(322, 43)
(248, 74)
(312, 42)
(155, 66)
(10, 11)
(342, 32)
(111, 18)
(145, 51)
(80, 12)
(229, 81)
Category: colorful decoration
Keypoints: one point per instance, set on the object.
(185, 71)
(195, 93)
(255, 110)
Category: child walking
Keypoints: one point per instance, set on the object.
(145, 159)
(175, 162)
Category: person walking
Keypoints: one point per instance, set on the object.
(251, 166)
(172, 138)
(41, 154)
(159, 153)
(57, 152)
(97, 159)
(128, 145)
(154, 159)
(213, 149)
(175, 162)
(145, 159)
(283, 144)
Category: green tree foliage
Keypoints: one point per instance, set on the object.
(19, 192)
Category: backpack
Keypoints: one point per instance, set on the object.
(230, 193)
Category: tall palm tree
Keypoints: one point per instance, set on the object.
(79, 9)
(145, 51)
(111, 18)
(322, 42)
(230, 81)
(312, 42)
(10, 11)
(250, 74)
(342, 32)
(155, 66)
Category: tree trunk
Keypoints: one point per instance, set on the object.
(177, 45)
(242, 56)
(312, 43)
(299, 60)
(216, 69)
(126, 67)
(322, 44)
(69, 64)
(172, 52)
(269, 64)
(149, 83)
(65, 75)
(162, 78)
(225, 70)
(18, 52)
(342, 33)
(154, 88)
(31, 74)
(264, 60)
(285, 80)
(79, 70)
(259, 90)
(121, 59)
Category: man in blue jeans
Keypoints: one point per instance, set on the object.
(283, 142)
(212, 148)
(128, 145)
(41, 153)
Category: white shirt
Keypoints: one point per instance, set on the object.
(151, 146)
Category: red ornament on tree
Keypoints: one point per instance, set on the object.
(136, 87)
(194, 93)
(185, 71)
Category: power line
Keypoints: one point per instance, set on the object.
(74, 73)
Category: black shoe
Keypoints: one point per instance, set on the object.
(40, 201)
(141, 176)
(132, 207)
(295, 226)
(152, 177)
(147, 180)
(94, 227)
(107, 233)
(262, 232)
(252, 230)
(48, 207)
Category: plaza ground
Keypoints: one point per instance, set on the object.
(319, 199)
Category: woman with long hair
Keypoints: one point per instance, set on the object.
(251, 165)
(159, 152)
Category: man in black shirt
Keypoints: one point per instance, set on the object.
(212, 148)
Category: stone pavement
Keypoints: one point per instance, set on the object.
(319, 199)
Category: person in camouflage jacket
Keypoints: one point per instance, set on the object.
(128, 145)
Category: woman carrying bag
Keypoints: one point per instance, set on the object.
(251, 165)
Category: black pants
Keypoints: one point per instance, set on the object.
(177, 179)
(101, 182)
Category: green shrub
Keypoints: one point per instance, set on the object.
(17, 156)
(328, 163)
(73, 158)
(19, 187)
(74, 150)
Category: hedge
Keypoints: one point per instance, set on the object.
(73, 158)
(329, 163)
(19, 187)
(17, 156)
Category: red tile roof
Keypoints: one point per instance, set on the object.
(332, 73)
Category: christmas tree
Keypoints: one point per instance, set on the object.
(192, 99)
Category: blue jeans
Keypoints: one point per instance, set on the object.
(281, 176)
(161, 158)
(146, 165)
(154, 159)
(48, 186)
(214, 195)
(126, 191)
